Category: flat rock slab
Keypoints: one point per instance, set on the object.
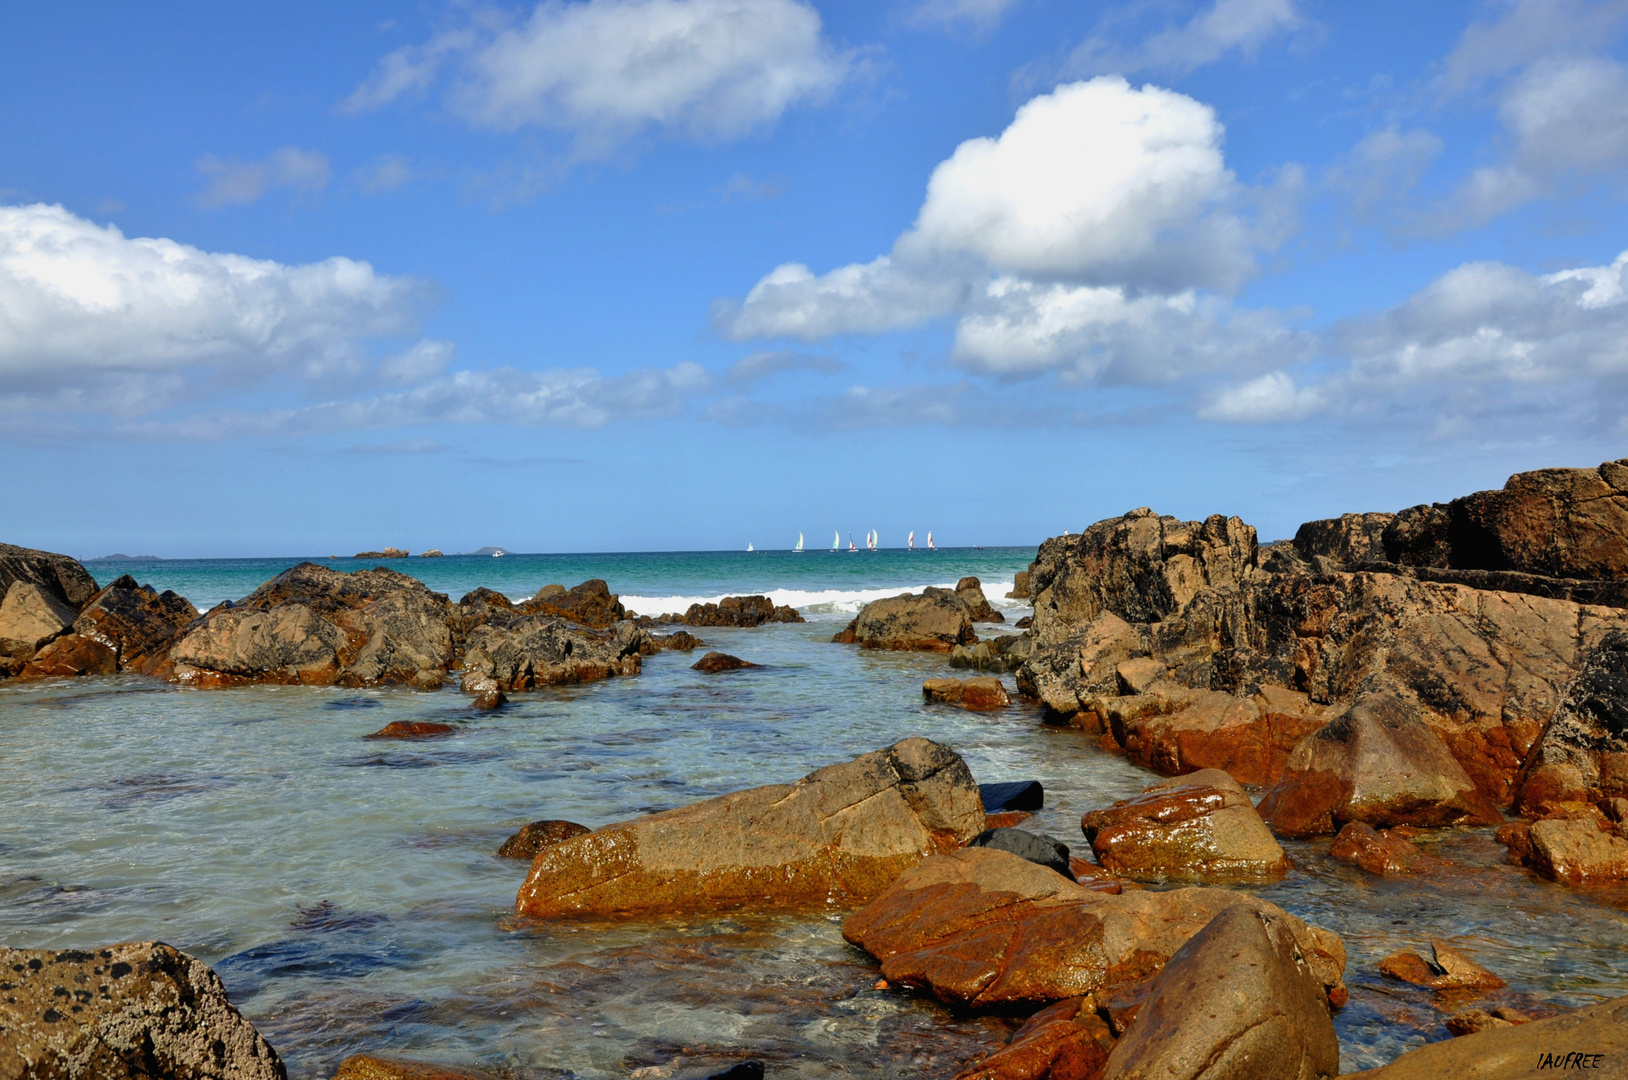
(1590, 1042)
(984, 693)
(1186, 830)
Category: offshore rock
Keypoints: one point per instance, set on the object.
(1381, 852)
(677, 641)
(714, 662)
(1583, 752)
(126, 1012)
(534, 651)
(743, 611)
(837, 836)
(590, 604)
(1238, 1001)
(136, 622)
(971, 592)
(1594, 1039)
(980, 928)
(387, 553)
(1199, 827)
(1065, 1041)
(30, 617)
(58, 575)
(1376, 763)
(936, 620)
(320, 627)
(526, 843)
(979, 694)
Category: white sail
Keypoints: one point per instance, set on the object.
(930, 545)
(851, 545)
(748, 545)
(799, 547)
(870, 540)
(836, 540)
(912, 541)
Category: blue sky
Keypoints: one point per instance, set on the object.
(667, 274)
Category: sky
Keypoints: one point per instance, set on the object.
(614, 275)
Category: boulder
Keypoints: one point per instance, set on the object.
(936, 620)
(1583, 751)
(413, 729)
(678, 641)
(1594, 1039)
(489, 700)
(136, 621)
(718, 661)
(981, 694)
(1471, 1021)
(1020, 586)
(1065, 1041)
(1381, 851)
(1448, 969)
(1343, 542)
(1577, 851)
(58, 575)
(126, 1012)
(321, 627)
(1175, 731)
(1237, 1001)
(980, 928)
(369, 1067)
(1376, 763)
(526, 843)
(71, 656)
(590, 604)
(534, 651)
(1041, 850)
(1003, 652)
(744, 611)
(1200, 827)
(30, 616)
(1012, 795)
(971, 592)
(837, 836)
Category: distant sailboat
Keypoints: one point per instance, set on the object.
(798, 550)
(912, 541)
(870, 540)
(748, 547)
(836, 540)
(930, 545)
(851, 546)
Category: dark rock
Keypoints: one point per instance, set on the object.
(132, 1011)
(387, 553)
(1013, 795)
(58, 575)
(1036, 848)
(412, 729)
(1343, 541)
(137, 622)
(489, 700)
(741, 1070)
(981, 694)
(590, 604)
(936, 620)
(743, 611)
(1003, 652)
(678, 641)
(526, 843)
(1200, 827)
(1419, 536)
(1598, 1034)
(1025, 622)
(1583, 751)
(717, 661)
(478, 608)
(534, 651)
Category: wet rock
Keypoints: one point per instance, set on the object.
(1517, 837)
(1200, 827)
(1020, 586)
(489, 700)
(534, 651)
(590, 604)
(742, 611)
(1065, 1041)
(985, 929)
(1583, 751)
(1381, 852)
(320, 627)
(1041, 850)
(1448, 969)
(1237, 1001)
(413, 729)
(1376, 763)
(70, 656)
(1471, 1021)
(678, 641)
(971, 593)
(1596, 1038)
(125, 1012)
(1003, 652)
(719, 661)
(539, 834)
(1013, 795)
(136, 621)
(1025, 622)
(1006, 819)
(30, 617)
(369, 1067)
(936, 620)
(1345, 541)
(839, 835)
(58, 575)
(1577, 851)
(980, 694)
(1175, 731)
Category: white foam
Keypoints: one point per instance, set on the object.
(816, 604)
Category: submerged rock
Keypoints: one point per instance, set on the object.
(1381, 851)
(526, 843)
(534, 651)
(718, 661)
(369, 1067)
(1200, 827)
(125, 1012)
(412, 729)
(1592, 1038)
(981, 694)
(936, 620)
(839, 835)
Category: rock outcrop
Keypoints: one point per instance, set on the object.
(1238, 1001)
(971, 592)
(321, 627)
(1344, 542)
(839, 835)
(936, 620)
(126, 1012)
(743, 611)
(534, 651)
(1198, 827)
(59, 575)
(136, 622)
(590, 604)
(980, 694)
(1590, 1039)
(31, 616)
(1582, 755)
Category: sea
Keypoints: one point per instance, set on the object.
(348, 893)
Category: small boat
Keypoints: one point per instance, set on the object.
(911, 543)
(798, 550)
(836, 540)
(851, 546)
(870, 540)
(497, 554)
(748, 547)
(930, 545)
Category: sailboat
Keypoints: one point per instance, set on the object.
(912, 541)
(836, 540)
(870, 540)
(748, 547)
(798, 550)
(851, 547)
(930, 545)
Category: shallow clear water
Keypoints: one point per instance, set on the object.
(347, 893)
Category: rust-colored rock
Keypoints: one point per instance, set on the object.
(984, 928)
(1583, 751)
(1577, 851)
(978, 694)
(936, 620)
(714, 662)
(369, 1067)
(1065, 1041)
(1471, 1021)
(1381, 851)
(533, 651)
(1176, 732)
(489, 700)
(590, 604)
(526, 843)
(1200, 827)
(136, 621)
(1596, 1038)
(70, 656)
(742, 611)
(1376, 763)
(413, 729)
(131, 1011)
(837, 836)
(1448, 969)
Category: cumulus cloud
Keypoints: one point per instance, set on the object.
(1526, 31)
(92, 318)
(609, 70)
(1272, 397)
(234, 181)
(980, 14)
(867, 298)
(1227, 26)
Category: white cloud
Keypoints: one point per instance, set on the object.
(868, 298)
(760, 365)
(1384, 167)
(1272, 397)
(425, 360)
(1227, 26)
(234, 181)
(980, 14)
(609, 70)
(92, 318)
(1527, 31)
(385, 174)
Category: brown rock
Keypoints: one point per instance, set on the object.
(679, 641)
(387, 553)
(58, 575)
(70, 656)
(539, 834)
(1583, 751)
(1065, 1041)
(30, 617)
(985, 928)
(126, 1012)
(839, 835)
(1002, 652)
(1377, 763)
(368, 1067)
(137, 622)
(1577, 852)
(534, 651)
(1599, 1034)
(590, 604)
(1020, 586)
(1517, 837)
(1200, 827)
(1238, 1001)
(412, 729)
(1006, 819)
(1448, 970)
(743, 611)
(971, 593)
(980, 694)
(934, 621)
(718, 661)
(1176, 732)
(489, 700)
(478, 608)
(1345, 541)
(1381, 852)
(1471, 1021)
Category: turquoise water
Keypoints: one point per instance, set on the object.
(347, 893)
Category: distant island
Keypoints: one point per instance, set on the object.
(125, 558)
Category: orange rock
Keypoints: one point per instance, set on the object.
(1577, 851)
(1186, 829)
(69, 656)
(1450, 969)
(1065, 1041)
(1006, 819)
(1381, 852)
(368, 1067)
(981, 694)
(412, 729)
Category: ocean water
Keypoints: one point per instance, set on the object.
(347, 892)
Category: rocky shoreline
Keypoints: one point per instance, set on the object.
(1457, 665)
